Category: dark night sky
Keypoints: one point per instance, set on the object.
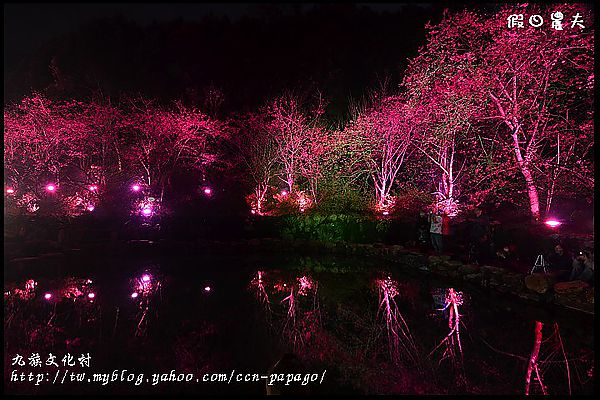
(28, 25)
(34, 33)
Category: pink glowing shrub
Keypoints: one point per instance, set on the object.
(29, 201)
(28, 290)
(77, 289)
(147, 207)
(305, 284)
(78, 203)
(386, 207)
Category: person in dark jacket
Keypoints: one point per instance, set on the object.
(560, 260)
(583, 268)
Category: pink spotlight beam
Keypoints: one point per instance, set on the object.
(50, 187)
(207, 289)
(552, 223)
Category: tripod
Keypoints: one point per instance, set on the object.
(539, 262)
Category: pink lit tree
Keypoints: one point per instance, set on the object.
(536, 85)
(257, 147)
(42, 139)
(316, 159)
(293, 128)
(530, 76)
(160, 140)
(103, 153)
(439, 85)
(381, 136)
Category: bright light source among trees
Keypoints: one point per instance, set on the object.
(552, 223)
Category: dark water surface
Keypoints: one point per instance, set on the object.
(210, 315)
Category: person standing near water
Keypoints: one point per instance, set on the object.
(435, 229)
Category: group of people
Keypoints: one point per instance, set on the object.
(565, 266)
(434, 231)
(435, 227)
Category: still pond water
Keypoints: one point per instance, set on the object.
(348, 326)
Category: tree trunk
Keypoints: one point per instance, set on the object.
(534, 202)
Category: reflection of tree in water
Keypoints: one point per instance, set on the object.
(451, 343)
(549, 364)
(298, 310)
(400, 341)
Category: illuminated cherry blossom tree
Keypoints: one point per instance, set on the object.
(381, 136)
(256, 145)
(160, 140)
(41, 138)
(536, 85)
(439, 86)
(293, 128)
(316, 159)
